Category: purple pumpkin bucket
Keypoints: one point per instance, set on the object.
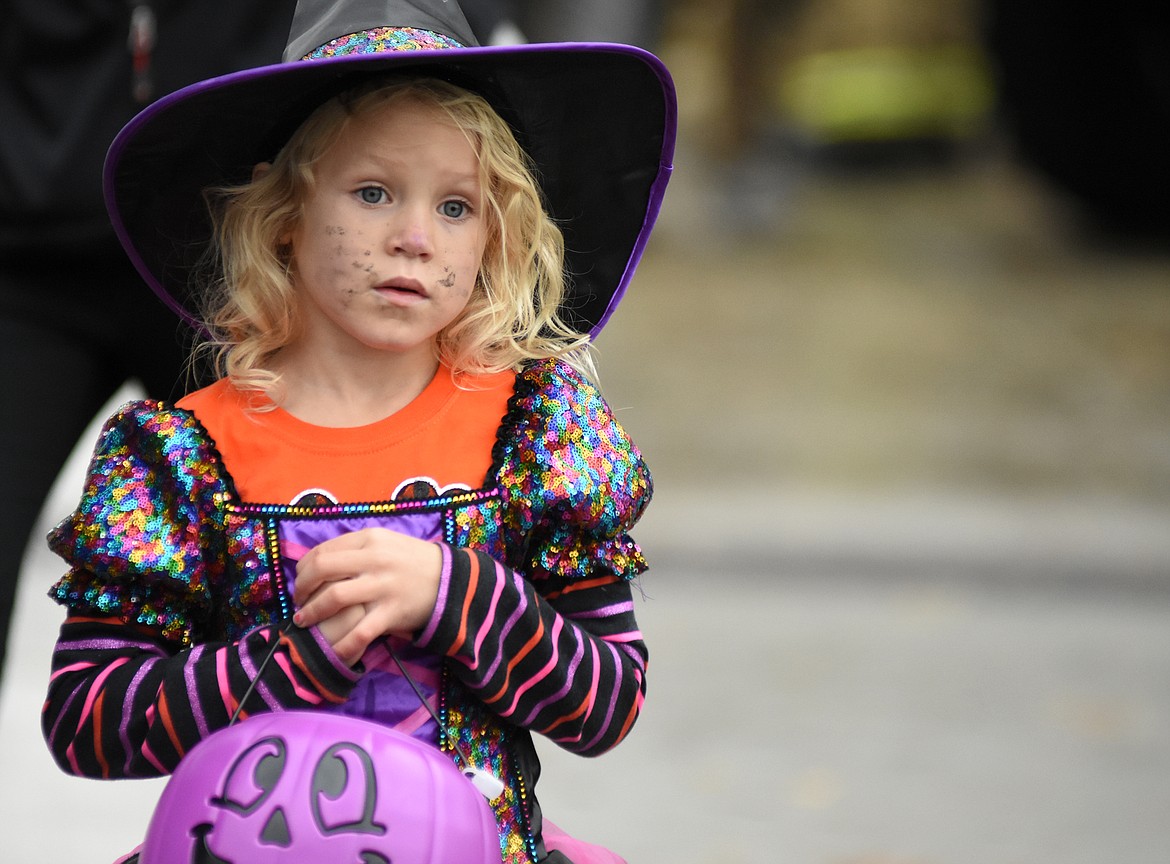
(310, 787)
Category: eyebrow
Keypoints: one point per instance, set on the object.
(376, 160)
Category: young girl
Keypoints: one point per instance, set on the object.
(404, 454)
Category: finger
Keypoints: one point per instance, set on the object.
(353, 645)
(322, 566)
(359, 539)
(330, 600)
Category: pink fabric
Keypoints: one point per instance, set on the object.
(578, 851)
(129, 854)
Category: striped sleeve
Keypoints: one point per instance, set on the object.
(568, 662)
(123, 701)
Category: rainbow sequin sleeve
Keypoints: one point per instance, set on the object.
(144, 542)
(574, 481)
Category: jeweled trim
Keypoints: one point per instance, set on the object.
(377, 508)
(381, 40)
(486, 746)
(275, 571)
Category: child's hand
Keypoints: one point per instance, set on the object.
(337, 627)
(365, 585)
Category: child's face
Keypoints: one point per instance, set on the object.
(392, 235)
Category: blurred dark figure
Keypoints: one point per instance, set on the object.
(76, 321)
(1085, 93)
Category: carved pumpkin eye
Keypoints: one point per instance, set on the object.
(252, 778)
(345, 792)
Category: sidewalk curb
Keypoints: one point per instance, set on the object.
(1086, 541)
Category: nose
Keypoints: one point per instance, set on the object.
(410, 234)
(276, 830)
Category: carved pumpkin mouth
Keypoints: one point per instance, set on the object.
(202, 854)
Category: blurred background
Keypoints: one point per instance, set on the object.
(898, 355)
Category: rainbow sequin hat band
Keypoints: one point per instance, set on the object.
(404, 25)
(383, 39)
(598, 121)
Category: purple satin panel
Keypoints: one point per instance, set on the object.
(382, 694)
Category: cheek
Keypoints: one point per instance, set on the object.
(474, 267)
(336, 261)
(461, 273)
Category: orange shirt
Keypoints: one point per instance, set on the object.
(443, 439)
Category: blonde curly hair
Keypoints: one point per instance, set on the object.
(251, 308)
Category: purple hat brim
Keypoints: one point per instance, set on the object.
(598, 119)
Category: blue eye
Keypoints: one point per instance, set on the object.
(453, 209)
(372, 195)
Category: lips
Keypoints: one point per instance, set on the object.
(401, 289)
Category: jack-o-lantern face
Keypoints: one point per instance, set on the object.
(297, 787)
(341, 800)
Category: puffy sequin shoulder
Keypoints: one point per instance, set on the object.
(146, 532)
(575, 482)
